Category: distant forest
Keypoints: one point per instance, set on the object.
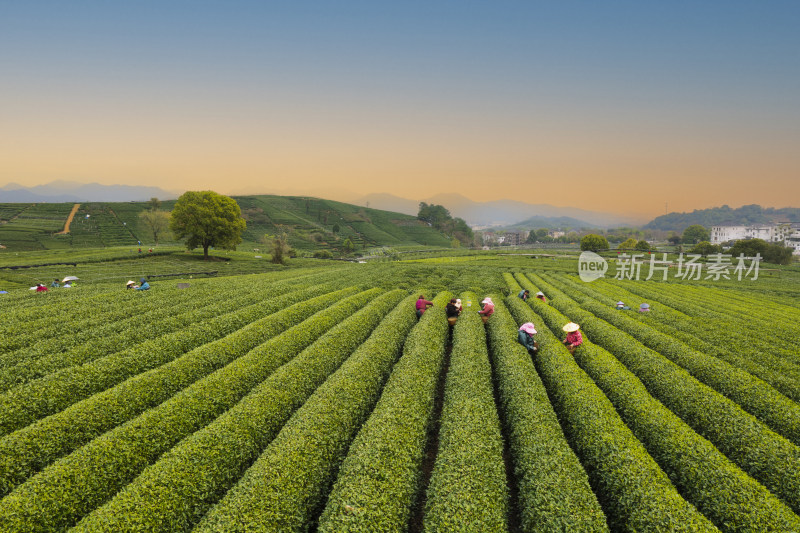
(745, 215)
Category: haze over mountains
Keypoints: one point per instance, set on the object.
(71, 191)
(498, 213)
(503, 212)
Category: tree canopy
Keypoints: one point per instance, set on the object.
(207, 219)
(695, 233)
(439, 217)
(594, 242)
(433, 214)
(771, 253)
(705, 248)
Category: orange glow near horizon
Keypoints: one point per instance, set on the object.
(545, 104)
(622, 174)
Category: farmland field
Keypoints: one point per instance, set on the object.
(312, 399)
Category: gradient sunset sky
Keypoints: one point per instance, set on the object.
(620, 106)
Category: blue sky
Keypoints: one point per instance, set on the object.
(631, 104)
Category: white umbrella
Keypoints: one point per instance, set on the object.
(69, 278)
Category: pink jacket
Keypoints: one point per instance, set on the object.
(422, 304)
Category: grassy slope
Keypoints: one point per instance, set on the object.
(308, 222)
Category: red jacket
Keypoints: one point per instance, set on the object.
(574, 338)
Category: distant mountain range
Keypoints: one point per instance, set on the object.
(69, 191)
(715, 216)
(503, 213)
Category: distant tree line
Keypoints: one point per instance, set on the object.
(439, 217)
(745, 216)
(769, 252)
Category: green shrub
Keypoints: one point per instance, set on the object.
(554, 491)
(30, 449)
(719, 489)
(636, 495)
(48, 501)
(379, 480)
(467, 490)
(55, 392)
(312, 443)
(112, 332)
(269, 406)
(749, 392)
(765, 455)
(747, 355)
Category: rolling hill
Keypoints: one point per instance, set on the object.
(310, 224)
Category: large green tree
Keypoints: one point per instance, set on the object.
(695, 233)
(433, 214)
(207, 219)
(439, 217)
(594, 242)
(771, 253)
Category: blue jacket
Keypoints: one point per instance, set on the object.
(143, 287)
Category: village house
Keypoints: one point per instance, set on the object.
(785, 233)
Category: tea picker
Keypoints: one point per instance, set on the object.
(525, 337)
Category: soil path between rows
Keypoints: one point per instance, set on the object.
(69, 219)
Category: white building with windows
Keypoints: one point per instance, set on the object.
(725, 233)
(793, 241)
(785, 233)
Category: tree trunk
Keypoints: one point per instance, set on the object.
(205, 252)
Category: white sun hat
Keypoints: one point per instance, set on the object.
(572, 326)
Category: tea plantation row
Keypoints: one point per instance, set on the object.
(315, 400)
